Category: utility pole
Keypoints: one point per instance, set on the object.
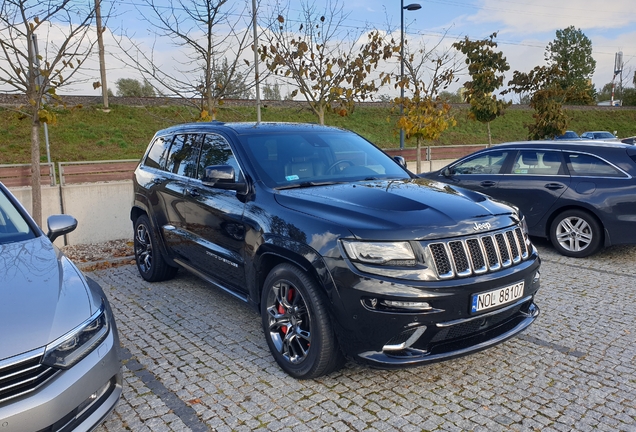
(100, 44)
(258, 93)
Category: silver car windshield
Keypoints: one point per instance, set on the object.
(13, 227)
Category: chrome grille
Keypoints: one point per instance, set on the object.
(478, 254)
(23, 374)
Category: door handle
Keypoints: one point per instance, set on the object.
(488, 183)
(157, 180)
(193, 192)
(554, 186)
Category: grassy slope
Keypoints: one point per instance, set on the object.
(89, 134)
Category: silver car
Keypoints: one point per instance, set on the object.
(59, 362)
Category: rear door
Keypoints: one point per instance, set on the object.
(180, 166)
(535, 182)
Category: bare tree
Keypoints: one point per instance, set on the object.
(330, 67)
(212, 35)
(63, 27)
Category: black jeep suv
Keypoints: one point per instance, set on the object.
(342, 250)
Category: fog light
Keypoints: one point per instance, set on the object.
(537, 276)
(406, 305)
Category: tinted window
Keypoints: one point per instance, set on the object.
(288, 159)
(484, 163)
(216, 151)
(183, 155)
(158, 152)
(591, 166)
(537, 162)
(13, 227)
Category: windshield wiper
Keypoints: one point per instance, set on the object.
(307, 184)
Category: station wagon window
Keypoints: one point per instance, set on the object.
(183, 155)
(485, 163)
(158, 153)
(217, 151)
(591, 166)
(538, 162)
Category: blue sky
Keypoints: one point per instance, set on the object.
(524, 29)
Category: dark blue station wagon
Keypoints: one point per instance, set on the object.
(582, 196)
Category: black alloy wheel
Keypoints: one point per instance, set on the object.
(152, 267)
(296, 324)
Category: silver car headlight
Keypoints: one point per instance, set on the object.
(380, 253)
(69, 349)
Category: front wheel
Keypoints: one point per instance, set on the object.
(152, 267)
(576, 233)
(296, 324)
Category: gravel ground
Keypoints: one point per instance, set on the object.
(96, 256)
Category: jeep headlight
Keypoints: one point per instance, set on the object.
(69, 349)
(398, 254)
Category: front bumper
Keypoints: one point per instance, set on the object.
(401, 338)
(76, 399)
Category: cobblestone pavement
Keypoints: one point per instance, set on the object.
(195, 359)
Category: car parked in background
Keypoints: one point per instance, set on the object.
(581, 197)
(340, 248)
(568, 135)
(59, 362)
(599, 135)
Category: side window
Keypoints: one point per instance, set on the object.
(538, 162)
(591, 166)
(215, 150)
(158, 153)
(485, 163)
(183, 155)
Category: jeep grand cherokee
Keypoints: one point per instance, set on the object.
(341, 249)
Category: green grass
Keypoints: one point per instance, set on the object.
(87, 133)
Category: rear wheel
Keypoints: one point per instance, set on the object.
(152, 267)
(296, 324)
(576, 233)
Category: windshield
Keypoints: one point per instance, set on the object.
(303, 158)
(13, 227)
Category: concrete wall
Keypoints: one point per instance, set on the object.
(102, 209)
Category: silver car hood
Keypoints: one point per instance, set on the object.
(42, 296)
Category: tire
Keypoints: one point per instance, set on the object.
(150, 263)
(576, 233)
(297, 325)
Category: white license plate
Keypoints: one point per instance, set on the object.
(498, 297)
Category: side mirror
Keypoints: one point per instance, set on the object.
(446, 172)
(400, 160)
(59, 225)
(222, 177)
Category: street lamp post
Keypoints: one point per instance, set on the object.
(410, 7)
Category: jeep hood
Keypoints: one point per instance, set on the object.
(43, 296)
(413, 209)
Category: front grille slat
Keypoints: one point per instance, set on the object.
(478, 255)
(23, 374)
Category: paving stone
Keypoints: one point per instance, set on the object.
(201, 363)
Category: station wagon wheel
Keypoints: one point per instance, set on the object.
(296, 324)
(576, 233)
(151, 265)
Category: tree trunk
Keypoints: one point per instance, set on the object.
(419, 156)
(36, 191)
(489, 137)
(321, 115)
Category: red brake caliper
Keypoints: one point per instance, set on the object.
(281, 309)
